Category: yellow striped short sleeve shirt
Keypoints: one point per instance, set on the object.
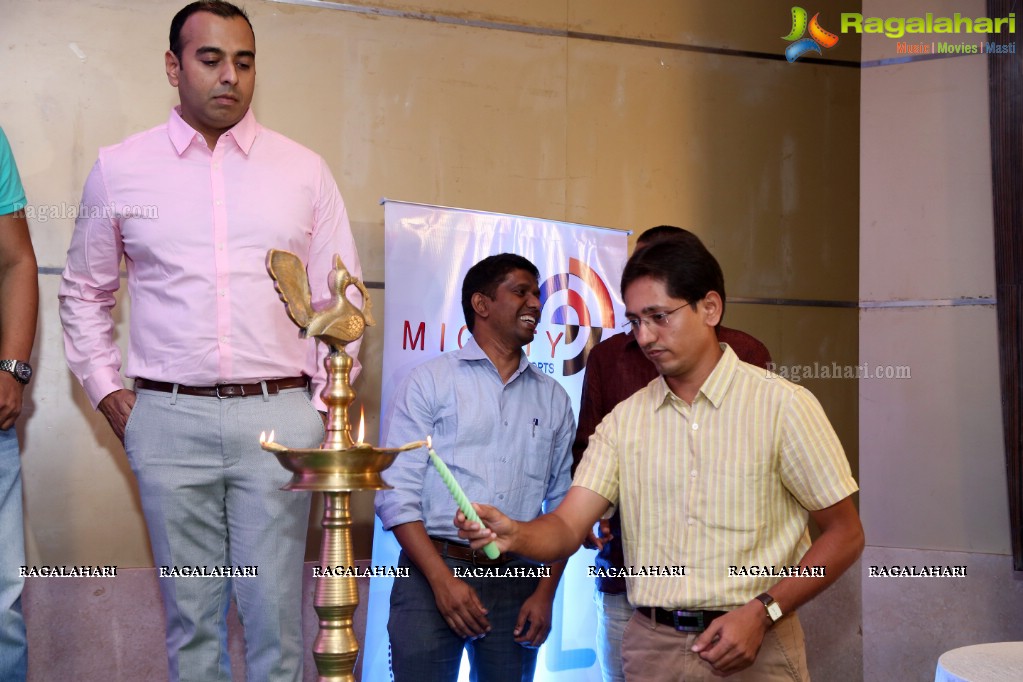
(724, 482)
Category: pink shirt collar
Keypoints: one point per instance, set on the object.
(181, 134)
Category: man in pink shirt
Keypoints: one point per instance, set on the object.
(192, 206)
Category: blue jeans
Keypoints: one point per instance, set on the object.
(211, 498)
(425, 649)
(613, 613)
(13, 650)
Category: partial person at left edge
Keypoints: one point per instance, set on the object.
(192, 206)
(19, 300)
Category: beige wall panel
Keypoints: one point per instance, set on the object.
(765, 322)
(758, 157)
(933, 462)
(542, 13)
(925, 198)
(749, 25)
(932, 466)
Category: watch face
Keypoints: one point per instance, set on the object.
(774, 611)
(22, 372)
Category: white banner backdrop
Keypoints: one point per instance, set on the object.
(428, 250)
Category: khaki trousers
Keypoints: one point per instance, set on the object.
(653, 652)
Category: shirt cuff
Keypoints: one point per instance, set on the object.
(401, 519)
(101, 384)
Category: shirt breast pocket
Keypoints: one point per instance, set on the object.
(735, 498)
(536, 461)
(524, 472)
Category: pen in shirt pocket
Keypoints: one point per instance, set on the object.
(536, 422)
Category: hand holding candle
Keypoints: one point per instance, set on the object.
(490, 549)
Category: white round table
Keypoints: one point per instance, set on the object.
(997, 662)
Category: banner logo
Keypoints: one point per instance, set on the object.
(819, 36)
(575, 301)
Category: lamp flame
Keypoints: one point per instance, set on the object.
(264, 439)
(362, 425)
(429, 442)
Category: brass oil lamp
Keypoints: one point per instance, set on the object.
(341, 464)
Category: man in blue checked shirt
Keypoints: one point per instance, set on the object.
(505, 430)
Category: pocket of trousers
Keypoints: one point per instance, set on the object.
(135, 409)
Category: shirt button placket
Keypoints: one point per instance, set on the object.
(220, 256)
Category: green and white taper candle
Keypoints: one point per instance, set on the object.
(490, 549)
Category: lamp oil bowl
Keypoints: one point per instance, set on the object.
(319, 470)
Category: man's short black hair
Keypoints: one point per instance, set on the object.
(661, 232)
(219, 8)
(688, 270)
(484, 277)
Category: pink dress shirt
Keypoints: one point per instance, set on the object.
(194, 227)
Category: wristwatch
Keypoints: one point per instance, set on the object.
(773, 610)
(22, 371)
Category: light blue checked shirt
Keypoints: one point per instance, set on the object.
(508, 445)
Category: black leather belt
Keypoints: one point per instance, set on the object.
(273, 387)
(683, 621)
(453, 550)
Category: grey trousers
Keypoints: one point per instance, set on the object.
(211, 500)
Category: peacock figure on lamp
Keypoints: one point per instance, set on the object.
(337, 324)
(341, 464)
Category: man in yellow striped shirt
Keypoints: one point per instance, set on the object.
(716, 467)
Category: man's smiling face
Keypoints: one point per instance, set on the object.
(515, 308)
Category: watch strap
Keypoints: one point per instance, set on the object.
(12, 367)
(773, 609)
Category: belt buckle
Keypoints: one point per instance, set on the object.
(480, 558)
(221, 397)
(700, 626)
